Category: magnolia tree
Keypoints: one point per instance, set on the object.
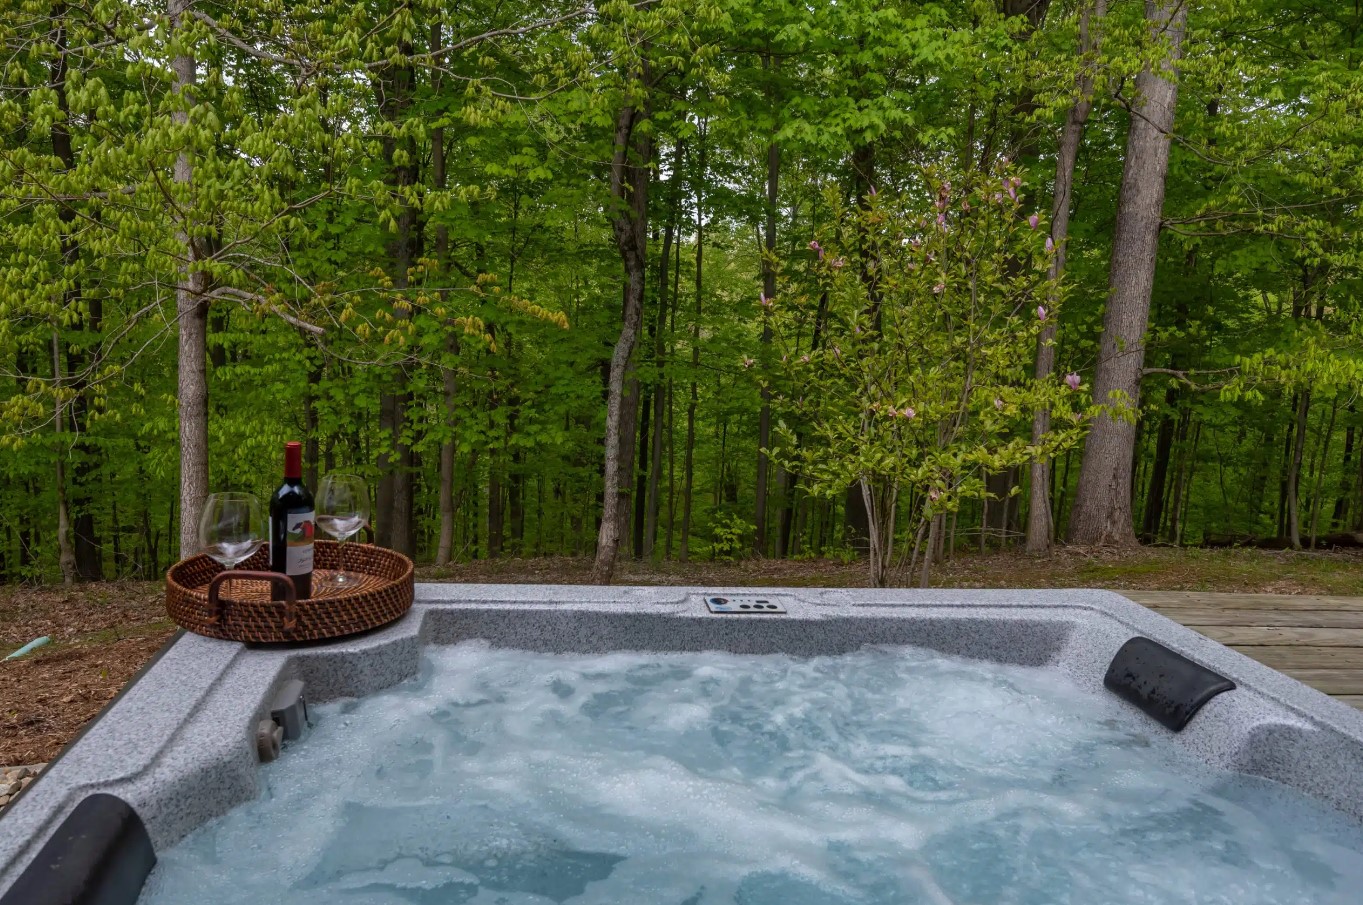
(905, 356)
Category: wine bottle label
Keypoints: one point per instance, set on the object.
(299, 527)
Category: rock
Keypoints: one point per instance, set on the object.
(38, 768)
(4, 800)
(25, 782)
(9, 788)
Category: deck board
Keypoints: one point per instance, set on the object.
(1316, 639)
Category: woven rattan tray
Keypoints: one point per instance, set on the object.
(206, 599)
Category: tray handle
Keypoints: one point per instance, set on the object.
(216, 605)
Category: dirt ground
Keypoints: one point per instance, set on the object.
(103, 633)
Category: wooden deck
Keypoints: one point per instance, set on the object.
(1318, 640)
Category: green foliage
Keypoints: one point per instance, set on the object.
(493, 323)
(908, 357)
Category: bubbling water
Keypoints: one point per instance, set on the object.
(887, 776)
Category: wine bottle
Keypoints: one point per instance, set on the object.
(292, 525)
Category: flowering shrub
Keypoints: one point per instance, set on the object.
(906, 351)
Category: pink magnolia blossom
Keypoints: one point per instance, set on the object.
(1041, 312)
(933, 494)
(1050, 245)
(1033, 221)
(1012, 191)
(942, 220)
(965, 205)
(939, 288)
(1015, 181)
(998, 404)
(909, 413)
(764, 301)
(815, 246)
(998, 196)
(748, 362)
(838, 262)
(1072, 380)
(871, 191)
(804, 359)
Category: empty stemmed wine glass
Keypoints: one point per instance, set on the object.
(230, 529)
(342, 510)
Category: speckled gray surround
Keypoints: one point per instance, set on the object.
(178, 746)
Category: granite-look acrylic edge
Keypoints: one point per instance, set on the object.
(179, 745)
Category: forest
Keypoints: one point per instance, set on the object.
(683, 279)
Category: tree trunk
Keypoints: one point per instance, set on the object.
(1294, 472)
(629, 223)
(449, 386)
(88, 553)
(444, 546)
(1159, 472)
(496, 514)
(769, 291)
(1319, 468)
(1174, 502)
(66, 554)
(644, 444)
(689, 453)
(191, 311)
(1102, 506)
(1182, 523)
(1040, 520)
(855, 519)
(515, 502)
(655, 468)
(396, 514)
(1340, 514)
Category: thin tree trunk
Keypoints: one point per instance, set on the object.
(191, 311)
(769, 291)
(689, 453)
(644, 443)
(1294, 471)
(1319, 467)
(515, 500)
(1040, 520)
(660, 349)
(88, 552)
(1102, 506)
(934, 528)
(444, 546)
(1188, 489)
(1159, 472)
(66, 554)
(1340, 514)
(1173, 503)
(396, 513)
(655, 469)
(855, 519)
(629, 222)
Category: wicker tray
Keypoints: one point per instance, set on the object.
(235, 605)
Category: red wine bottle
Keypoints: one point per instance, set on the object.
(292, 525)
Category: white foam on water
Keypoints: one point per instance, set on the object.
(881, 777)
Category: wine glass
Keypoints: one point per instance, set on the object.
(230, 528)
(342, 510)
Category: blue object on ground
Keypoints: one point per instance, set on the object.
(30, 646)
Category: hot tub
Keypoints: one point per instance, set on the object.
(535, 744)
